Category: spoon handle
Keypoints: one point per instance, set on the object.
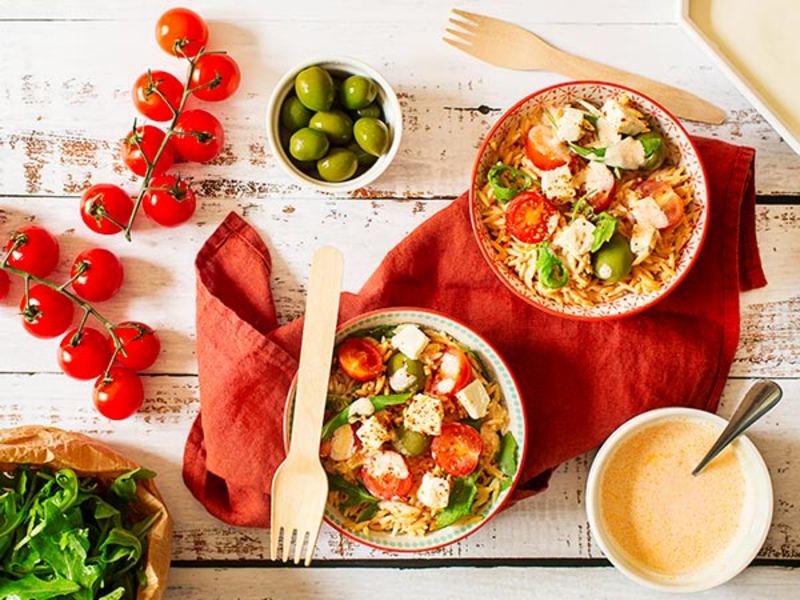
(759, 400)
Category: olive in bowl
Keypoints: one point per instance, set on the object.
(334, 124)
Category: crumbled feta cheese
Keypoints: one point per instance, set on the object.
(360, 408)
(596, 177)
(569, 125)
(642, 238)
(607, 135)
(628, 154)
(557, 184)
(401, 379)
(342, 446)
(434, 492)
(474, 398)
(373, 434)
(409, 340)
(387, 464)
(424, 414)
(576, 238)
(622, 117)
(648, 213)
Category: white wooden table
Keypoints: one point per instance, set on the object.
(67, 68)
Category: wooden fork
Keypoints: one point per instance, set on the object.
(300, 486)
(507, 45)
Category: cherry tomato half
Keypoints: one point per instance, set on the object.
(141, 146)
(454, 372)
(84, 355)
(531, 218)
(181, 32)
(140, 343)
(101, 277)
(120, 395)
(666, 197)
(174, 203)
(49, 313)
(106, 208)
(37, 253)
(386, 475)
(545, 150)
(5, 284)
(152, 104)
(199, 136)
(361, 358)
(217, 76)
(457, 449)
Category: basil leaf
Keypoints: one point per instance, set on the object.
(588, 153)
(356, 493)
(459, 505)
(605, 226)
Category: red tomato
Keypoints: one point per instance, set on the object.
(457, 449)
(181, 32)
(172, 204)
(199, 136)
(4, 285)
(37, 252)
(531, 218)
(84, 355)
(386, 475)
(361, 358)
(101, 277)
(667, 199)
(120, 395)
(140, 148)
(140, 343)
(602, 186)
(544, 149)
(454, 372)
(151, 103)
(106, 208)
(48, 314)
(215, 77)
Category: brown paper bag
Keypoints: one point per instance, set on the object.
(39, 445)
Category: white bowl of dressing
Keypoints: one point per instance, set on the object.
(663, 527)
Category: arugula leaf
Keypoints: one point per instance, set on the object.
(30, 587)
(459, 505)
(582, 208)
(370, 511)
(650, 144)
(356, 494)
(124, 486)
(378, 404)
(377, 333)
(549, 268)
(605, 227)
(588, 153)
(506, 458)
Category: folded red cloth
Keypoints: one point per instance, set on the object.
(579, 380)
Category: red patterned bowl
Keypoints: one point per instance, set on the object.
(619, 301)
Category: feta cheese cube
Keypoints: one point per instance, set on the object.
(424, 414)
(627, 154)
(360, 408)
(622, 117)
(576, 238)
(569, 125)
(409, 340)
(607, 134)
(434, 492)
(373, 434)
(648, 213)
(474, 398)
(642, 238)
(401, 379)
(557, 184)
(596, 177)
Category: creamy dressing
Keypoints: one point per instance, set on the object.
(660, 516)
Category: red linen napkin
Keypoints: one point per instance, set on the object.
(579, 380)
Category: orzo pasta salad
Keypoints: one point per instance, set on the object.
(587, 203)
(416, 432)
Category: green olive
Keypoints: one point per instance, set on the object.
(294, 115)
(410, 443)
(658, 154)
(371, 110)
(612, 262)
(337, 125)
(338, 165)
(308, 144)
(314, 88)
(405, 374)
(365, 160)
(357, 91)
(372, 135)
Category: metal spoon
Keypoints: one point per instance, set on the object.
(758, 401)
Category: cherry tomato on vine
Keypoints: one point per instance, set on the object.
(106, 208)
(140, 343)
(152, 104)
(171, 205)
(37, 252)
(48, 313)
(101, 275)
(181, 32)
(119, 395)
(84, 355)
(140, 147)
(199, 136)
(4, 285)
(218, 74)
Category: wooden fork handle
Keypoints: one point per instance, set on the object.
(679, 102)
(319, 329)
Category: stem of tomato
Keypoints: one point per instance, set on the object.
(76, 339)
(80, 269)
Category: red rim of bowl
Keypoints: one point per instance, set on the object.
(493, 263)
(523, 447)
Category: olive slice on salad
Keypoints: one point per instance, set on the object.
(405, 374)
